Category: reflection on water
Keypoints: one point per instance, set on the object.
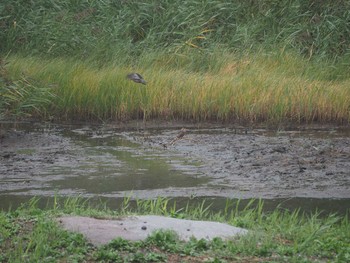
(152, 178)
(71, 160)
(116, 164)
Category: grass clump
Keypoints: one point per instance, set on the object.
(23, 96)
(30, 234)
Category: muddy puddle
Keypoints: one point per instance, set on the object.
(303, 168)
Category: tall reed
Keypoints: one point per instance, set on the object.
(279, 87)
(108, 29)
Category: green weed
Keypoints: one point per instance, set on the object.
(30, 234)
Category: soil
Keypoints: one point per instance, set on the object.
(239, 162)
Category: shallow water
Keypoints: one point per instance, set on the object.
(324, 206)
(305, 168)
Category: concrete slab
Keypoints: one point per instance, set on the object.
(133, 228)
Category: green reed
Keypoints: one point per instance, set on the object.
(204, 60)
(254, 87)
(123, 30)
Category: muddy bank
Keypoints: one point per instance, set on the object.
(224, 162)
(260, 163)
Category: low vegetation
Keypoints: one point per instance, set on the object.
(30, 234)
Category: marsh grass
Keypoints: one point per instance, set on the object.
(23, 96)
(251, 88)
(106, 29)
(30, 234)
(243, 61)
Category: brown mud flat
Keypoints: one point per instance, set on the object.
(226, 162)
(269, 164)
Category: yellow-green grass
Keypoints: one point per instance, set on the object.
(253, 88)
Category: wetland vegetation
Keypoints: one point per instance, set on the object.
(274, 61)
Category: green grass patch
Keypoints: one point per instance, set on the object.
(30, 234)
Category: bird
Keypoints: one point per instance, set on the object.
(136, 77)
(179, 136)
(182, 133)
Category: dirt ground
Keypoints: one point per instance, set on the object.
(239, 162)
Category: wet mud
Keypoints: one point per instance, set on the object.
(269, 164)
(114, 162)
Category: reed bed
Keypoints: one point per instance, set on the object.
(204, 60)
(251, 88)
(108, 29)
